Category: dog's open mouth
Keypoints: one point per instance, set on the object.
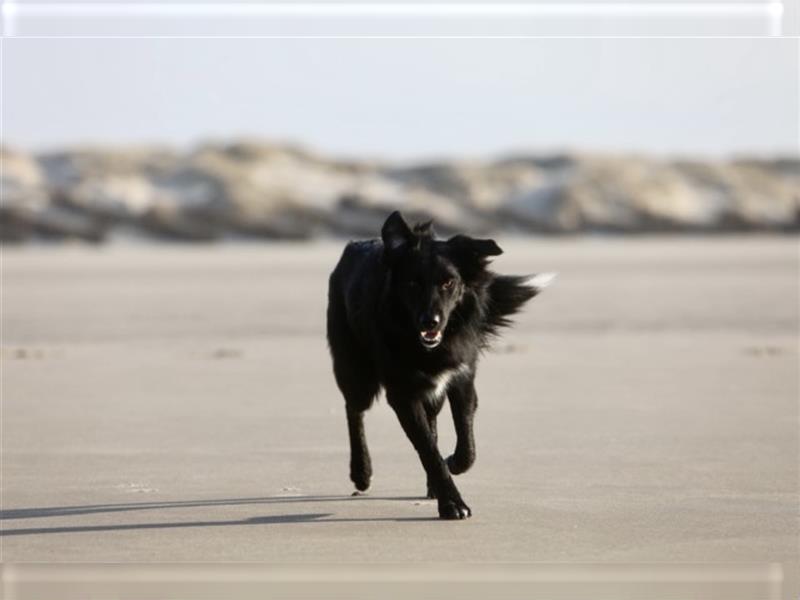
(430, 338)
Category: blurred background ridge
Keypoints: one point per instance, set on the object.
(249, 188)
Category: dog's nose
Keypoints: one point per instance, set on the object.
(430, 322)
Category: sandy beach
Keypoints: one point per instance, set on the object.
(176, 403)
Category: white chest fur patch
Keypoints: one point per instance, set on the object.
(440, 382)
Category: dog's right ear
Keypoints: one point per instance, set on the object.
(395, 234)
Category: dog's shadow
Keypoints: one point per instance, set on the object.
(70, 511)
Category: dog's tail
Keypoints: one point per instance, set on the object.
(507, 295)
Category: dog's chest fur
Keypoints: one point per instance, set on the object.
(437, 384)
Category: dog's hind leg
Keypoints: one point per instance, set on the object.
(359, 388)
(355, 376)
(360, 463)
(463, 403)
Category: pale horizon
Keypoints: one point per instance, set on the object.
(409, 100)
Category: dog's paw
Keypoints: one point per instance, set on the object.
(457, 465)
(361, 481)
(454, 509)
(430, 494)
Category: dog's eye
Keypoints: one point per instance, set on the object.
(449, 284)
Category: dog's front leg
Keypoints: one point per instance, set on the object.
(414, 420)
(432, 414)
(463, 403)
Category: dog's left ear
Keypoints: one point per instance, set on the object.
(474, 248)
(471, 255)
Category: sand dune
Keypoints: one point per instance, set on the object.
(247, 189)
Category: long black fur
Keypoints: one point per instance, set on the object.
(389, 301)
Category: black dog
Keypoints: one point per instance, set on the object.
(411, 314)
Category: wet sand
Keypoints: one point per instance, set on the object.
(177, 404)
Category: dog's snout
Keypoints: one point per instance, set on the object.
(430, 321)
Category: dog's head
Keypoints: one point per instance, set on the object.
(431, 277)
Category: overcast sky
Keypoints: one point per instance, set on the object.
(409, 99)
